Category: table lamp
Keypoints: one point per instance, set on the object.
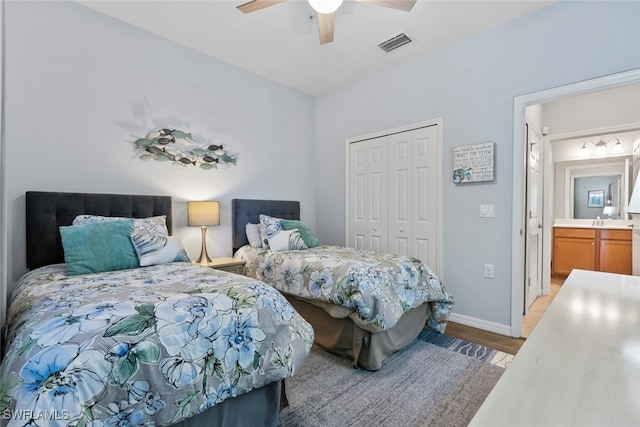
(203, 214)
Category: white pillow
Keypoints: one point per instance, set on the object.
(287, 240)
(155, 249)
(253, 235)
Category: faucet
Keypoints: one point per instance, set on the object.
(597, 222)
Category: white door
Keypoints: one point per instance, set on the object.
(413, 194)
(533, 247)
(635, 234)
(400, 192)
(368, 204)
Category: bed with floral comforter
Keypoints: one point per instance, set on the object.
(148, 346)
(374, 289)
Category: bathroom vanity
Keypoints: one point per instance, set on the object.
(600, 246)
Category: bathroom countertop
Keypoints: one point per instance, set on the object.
(605, 225)
(589, 223)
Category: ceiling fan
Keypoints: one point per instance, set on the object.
(326, 11)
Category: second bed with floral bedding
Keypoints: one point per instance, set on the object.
(374, 289)
(363, 305)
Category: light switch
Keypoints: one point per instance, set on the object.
(486, 211)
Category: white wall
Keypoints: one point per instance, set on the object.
(81, 87)
(616, 106)
(472, 86)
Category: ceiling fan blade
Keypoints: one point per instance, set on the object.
(326, 23)
(254, 5)
(405, 5)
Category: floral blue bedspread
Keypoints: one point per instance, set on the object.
(149, 346)
(376, 289)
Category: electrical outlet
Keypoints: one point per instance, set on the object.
(488, 271)
(486, 211)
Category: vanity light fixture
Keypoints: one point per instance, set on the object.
(617, 148)
(584, 151)
(600, 147)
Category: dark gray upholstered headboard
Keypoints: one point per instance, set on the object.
(47, 211)
(249, 210)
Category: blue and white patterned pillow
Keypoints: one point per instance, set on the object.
(153, 224)
(287, 240)
(269, 226)
(155, 249)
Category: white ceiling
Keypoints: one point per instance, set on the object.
(281, 41)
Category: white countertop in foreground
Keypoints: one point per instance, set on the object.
(581, 364)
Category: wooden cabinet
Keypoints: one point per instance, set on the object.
(593, 249)
(615, 251)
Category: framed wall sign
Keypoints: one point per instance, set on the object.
(595, 199)
(474, 163)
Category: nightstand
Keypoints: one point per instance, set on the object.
(229, 264)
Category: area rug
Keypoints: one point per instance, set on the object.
(435, 381)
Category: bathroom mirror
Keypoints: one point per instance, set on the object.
(580, 183)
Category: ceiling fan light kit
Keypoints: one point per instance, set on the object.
(326, 9)
(325, 6)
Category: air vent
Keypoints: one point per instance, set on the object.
(395, 42)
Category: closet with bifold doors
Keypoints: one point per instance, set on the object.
(393, 192)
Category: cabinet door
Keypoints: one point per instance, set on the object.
(615, 256)
(570, 253)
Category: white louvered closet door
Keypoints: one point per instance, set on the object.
(369, 196)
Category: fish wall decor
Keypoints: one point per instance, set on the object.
(177, 147)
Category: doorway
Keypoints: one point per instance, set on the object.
(519, 259)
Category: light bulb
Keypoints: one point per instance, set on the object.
(325, 6)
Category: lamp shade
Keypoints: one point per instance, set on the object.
(203, 213)
(634, 203)
(608, 210)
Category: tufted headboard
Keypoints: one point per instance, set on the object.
(47, 211)
(249, 210)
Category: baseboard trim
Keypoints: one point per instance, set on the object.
(481, 324)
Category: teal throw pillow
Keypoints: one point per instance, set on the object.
(98, 247)
(309, 238)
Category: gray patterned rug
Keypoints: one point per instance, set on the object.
(436, 381)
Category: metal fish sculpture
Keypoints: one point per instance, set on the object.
(177, 147)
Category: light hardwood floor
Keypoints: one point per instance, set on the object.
(539, 306)
(501, 342)
(479, 336)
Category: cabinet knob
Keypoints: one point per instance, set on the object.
(401, 230)
(375, 228)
